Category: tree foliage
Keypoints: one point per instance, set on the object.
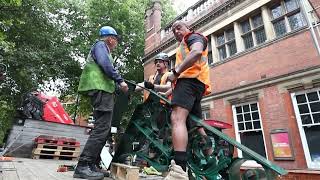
(44, 41)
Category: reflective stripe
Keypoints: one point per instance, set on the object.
(163, 81)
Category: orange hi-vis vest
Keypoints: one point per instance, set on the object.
(163, 81)
(199, 70)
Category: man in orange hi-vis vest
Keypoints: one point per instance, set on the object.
(191, 79)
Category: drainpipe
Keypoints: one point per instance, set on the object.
(311, 27)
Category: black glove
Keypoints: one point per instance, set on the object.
(148, 85)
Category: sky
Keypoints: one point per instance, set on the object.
(182, 5)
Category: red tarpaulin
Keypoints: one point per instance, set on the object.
(53, 110)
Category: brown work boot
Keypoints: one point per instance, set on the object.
(176, 172)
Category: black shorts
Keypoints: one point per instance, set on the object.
(188, 94)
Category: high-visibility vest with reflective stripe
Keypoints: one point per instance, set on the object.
(93, 77)
(199, 70)
(163, 81)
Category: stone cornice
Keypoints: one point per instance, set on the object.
(315, 70)
(205, 19)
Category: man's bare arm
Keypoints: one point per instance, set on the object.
(194, 55)
(162, 88)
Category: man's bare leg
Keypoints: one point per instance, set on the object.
(179, 135)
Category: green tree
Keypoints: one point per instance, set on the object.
(44, 41)
(127, 18)
(6, 20)
(39, 52)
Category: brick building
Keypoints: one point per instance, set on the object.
(264, 61)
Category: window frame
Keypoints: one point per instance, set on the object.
(253, 30)
(237, 133)
(302, 133)
(204, 114)
(285, 16)
(205, 109)
(226, 43)
(210, 50)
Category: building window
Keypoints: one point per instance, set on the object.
(307, 109)
(221, 46)
(226, 44)
(253, 31)
(206, 114)
(249, 129)
(287, 16)
(231, 42)
(210, 58)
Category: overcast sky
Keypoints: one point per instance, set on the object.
(181, 5)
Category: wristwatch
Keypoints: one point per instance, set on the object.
(175, 73)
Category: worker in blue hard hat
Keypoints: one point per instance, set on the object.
(98, 81)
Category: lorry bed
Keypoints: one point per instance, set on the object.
(22, 135)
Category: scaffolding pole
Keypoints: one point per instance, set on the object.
(312, 25)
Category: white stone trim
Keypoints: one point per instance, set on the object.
(235, 16)
(236, 129)
(305, 146)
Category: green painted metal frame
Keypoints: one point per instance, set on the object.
(216, 166)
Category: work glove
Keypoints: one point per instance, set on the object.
(148, 85)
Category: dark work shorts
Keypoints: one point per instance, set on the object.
(188, 94)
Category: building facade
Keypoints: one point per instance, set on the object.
(264, 61)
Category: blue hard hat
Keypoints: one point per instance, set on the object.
(107, 31)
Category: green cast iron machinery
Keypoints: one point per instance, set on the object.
(210, 156)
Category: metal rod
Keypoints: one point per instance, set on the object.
(313, 34)
(315, 8)
(76, 109)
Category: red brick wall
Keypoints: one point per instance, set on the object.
(315, 4)
(300, 176)
(223, 112)
(226, 116)
(277, 113)
(150, 42)
(220, 110)
(285, 56)
(149, 69)
(292, 126)
(153, 26)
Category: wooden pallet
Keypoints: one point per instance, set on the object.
(61, 141)
(35, 156)
(56, 147)
(55, 152)
(124, 172)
